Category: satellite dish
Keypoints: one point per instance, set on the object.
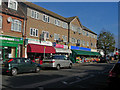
(9, 19)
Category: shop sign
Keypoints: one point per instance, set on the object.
(85, 49)
(35, 41)
(12, 40)
(80, 48)
(59, 46)
(74, 47)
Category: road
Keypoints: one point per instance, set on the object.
(85, 75)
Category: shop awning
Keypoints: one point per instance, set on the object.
(80, 52)
(62, 50)
(33, 48)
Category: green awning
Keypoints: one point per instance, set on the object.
(80, 52)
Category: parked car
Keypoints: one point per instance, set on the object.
(114, 76)
(13, 66)
(57, 61)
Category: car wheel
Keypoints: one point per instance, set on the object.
(14, 72)
(70, 66)
(58, 67)
(37, 69)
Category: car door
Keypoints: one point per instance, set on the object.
(21, 65)
(30, 66)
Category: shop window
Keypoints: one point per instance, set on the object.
(12, 4)
(16, 25)
(0, 21)
(34, 32)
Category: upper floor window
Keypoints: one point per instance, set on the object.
(16, 25)
(56, 36)
(87, 43)
(64, 38)
(34, 32)
(73, 40)
(46, 18)
(12, 4)
(83, 43)
(0, 21)
(64, 25)
(34, 14)
(87, 34)
(57, 22)
(83, 32)
(46, 34)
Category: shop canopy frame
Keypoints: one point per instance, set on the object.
(87, 53)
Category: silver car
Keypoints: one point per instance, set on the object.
(57, 61)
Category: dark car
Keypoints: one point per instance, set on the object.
(114, 76)
(13, 66)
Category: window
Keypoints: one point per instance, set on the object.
(74, 28)
(87, 43)
(87, 34)
(56, 36)
(64, 25)
(91, 44)
(83, 43)
(57, 22)
(0, 21)
(12, 4)
(73, 40)
(46, 18)
(83, 32)
(79, 30)
(64, 38)
(33, 32)
(16, 25)
(46, 33)
(34, 14)
(78, 41)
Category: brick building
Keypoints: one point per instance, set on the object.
(42, 29)
(11, 30)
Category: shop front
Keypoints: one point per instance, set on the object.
(36, 50)
(81, 54)
(10, 47)
(62, 49)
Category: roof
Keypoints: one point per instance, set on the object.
(68, 20)
(45, 11)
(4, 9)
(85, 28)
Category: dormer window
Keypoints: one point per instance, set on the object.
(12, 4)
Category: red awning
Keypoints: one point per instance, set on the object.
(39, 48)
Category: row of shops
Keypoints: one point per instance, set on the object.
(11, 47)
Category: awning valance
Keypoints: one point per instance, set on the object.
(62, 50)
(80, 52)
(33, 48)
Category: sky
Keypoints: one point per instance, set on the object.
(94, 15)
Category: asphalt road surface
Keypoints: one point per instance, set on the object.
(82, 76)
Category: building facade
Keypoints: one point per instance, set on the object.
(39, 32)
(11, 30)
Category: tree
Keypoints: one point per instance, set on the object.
(106, 42)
